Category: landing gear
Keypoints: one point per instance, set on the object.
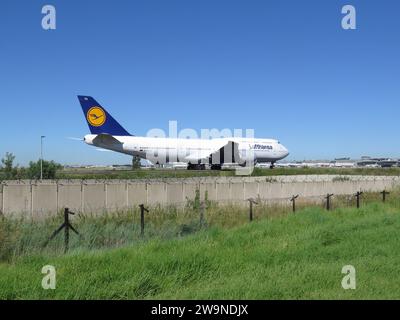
(199, 166)
(216, 167)
(272, 165)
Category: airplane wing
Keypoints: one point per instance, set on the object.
(224, 152)
(198, 155)
(105, 140)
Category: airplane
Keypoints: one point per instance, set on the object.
(107, 133)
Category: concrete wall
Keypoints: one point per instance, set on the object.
(48, 197)
(137, 194)
(70, 195)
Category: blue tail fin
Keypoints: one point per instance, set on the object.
(98, 119)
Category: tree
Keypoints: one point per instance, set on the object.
(8, 166)
(49, 169)
(135, 163)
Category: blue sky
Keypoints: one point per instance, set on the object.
(283, 68)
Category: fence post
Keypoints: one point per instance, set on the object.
(384, 193)
(357, 195)
(142, 210)
(251, 201)
(66, 229)
(66, 226)
(328, 202)
(202, 212)
(293, 200)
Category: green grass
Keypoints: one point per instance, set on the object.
(163, 173)
(285, 256)
(138, 173)
(24, 236)
(81, 173)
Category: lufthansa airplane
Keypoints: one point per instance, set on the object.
(107, 133)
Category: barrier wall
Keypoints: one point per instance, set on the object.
(36, 198)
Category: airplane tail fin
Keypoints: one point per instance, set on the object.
(98, 119)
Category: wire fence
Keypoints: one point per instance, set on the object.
(141, 223)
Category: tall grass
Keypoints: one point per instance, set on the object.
(295, 256)
(21, 236)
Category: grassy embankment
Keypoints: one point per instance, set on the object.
(279, 255)
(163, 173)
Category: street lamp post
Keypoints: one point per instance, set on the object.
(41, 157)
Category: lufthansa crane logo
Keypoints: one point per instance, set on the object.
(96, 116)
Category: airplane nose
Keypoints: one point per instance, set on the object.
(285, 151)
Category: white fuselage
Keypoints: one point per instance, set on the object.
(168, 150)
